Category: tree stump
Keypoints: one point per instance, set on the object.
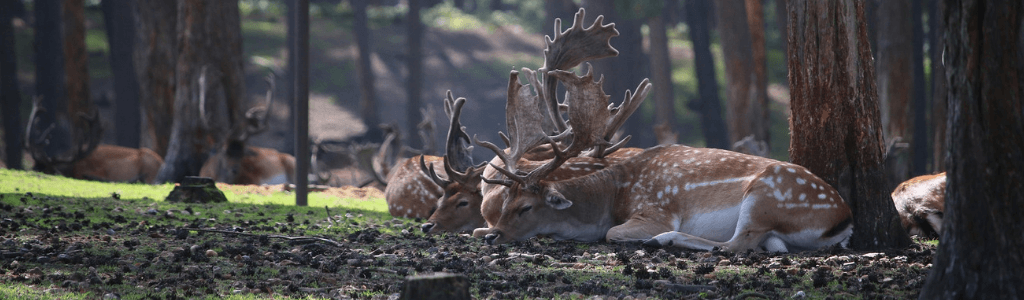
(196, 190)
(436, 286)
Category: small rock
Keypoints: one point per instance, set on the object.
(774, 265)
(211, 253)
(725, 262)
(849, 266)
(799, 295)
(873, 255)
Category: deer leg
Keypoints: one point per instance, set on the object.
(636, 230)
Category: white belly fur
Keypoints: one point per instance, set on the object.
(719, 225)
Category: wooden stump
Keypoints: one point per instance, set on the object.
(436, 286)
(196, 190)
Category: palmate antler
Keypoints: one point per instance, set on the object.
(587, 102)
(524, 124)
(567, 50)
(458, 160)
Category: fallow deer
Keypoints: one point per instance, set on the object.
(91, 160)
(920, 202)
(667, 195)
(236, 162)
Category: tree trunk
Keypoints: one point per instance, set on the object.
(76, 63)
(895, 81)
(661, 72)
(936, 42)
(210, 35)
(120, 25)
(287, 90)
(708, 105)
(367, 92)
(835, 123)
(155, 57)
(10, 94)
(979, 256)
(746, 88)
(782, 19)
(414, 81)
(919, 154)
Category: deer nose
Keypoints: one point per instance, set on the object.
(426, 227)
(490, 238)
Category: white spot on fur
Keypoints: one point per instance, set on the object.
(821, 196)
(801, 181)
(661, 194)
(791, 170)
(690, 186)
(675, 190)
(803, 197)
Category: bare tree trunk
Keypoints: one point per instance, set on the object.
(895, 81)
(707, 104)
(76, 63)
(748, 110)
(782, 19)
(919, 148)
(210, 33)
(155, 58)
(414, 82)
(10, 94)
(835, 124)
(936, 42)
(979, 256)
(367, 93)
(120, 23)
(661, 72)
(287, 91)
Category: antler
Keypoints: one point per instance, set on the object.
(427, 129)
(567, 50)
(523, 123)
(256, 117)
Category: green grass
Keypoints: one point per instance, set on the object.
(24, 292)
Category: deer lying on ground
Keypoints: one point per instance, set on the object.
(666, 196)
(91, 160)
(920, 202)
(238, 163)
(408, 190)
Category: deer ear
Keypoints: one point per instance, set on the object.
(556, 200)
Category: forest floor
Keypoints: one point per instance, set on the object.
(115, 247)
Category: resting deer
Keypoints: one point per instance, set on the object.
(920, 202)
(238, 163)
(91, 160)
(667, 195)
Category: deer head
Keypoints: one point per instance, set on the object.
(459, 206)
(229, 157)
(86, 136)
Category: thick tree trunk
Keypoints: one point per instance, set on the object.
(661, 72)
(835, 124)
(120, 23)
(414, 82)
(76, 63)
(367, 92)
(782, 19)
(936, 41)
(155, 58)
(746, 88)
(287, 90)
(210, 35)
(980, 254)
(920, 153)
(708, 105)
(10, 94)
(50, 75)
(895, 81)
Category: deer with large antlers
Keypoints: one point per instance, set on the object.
(666, 195)
(920, 202)
(91, 160)
(236, 162)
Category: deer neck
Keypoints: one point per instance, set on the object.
(593, 197)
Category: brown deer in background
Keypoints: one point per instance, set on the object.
(90, 159)
(238, 163)
(920, 202)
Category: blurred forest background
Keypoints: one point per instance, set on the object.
(718, 67)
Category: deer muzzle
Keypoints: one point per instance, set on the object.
(492, 237)
(426, 227)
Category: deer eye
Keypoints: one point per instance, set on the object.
(463, 203)
(525, 209)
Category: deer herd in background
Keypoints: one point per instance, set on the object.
(566, 178)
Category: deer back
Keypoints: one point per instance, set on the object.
(920, 202)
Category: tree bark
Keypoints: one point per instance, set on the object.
(746, 88)
(210, 37)
(155, 58)
(118, 17)
(936, 35)
(287, 91)
(835, 123)
(661, 72)
(367, 92)
(979, 256)
(782, 19)
(895, 81)
(919, 154)
(10, 94)
(708, 105)
(414, 81)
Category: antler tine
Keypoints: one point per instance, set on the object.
(430, 173)
(619, 114)
(570, 48)
(456, 154)
(587, 107)
(522, 122)
(257, 116)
